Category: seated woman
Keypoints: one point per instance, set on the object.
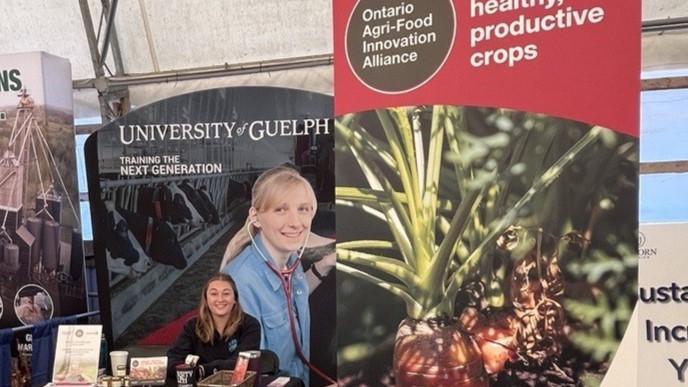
(219, 332)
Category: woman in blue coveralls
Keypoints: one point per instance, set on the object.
(264, 253)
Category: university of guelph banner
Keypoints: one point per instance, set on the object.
(170, 184)
(487, 184)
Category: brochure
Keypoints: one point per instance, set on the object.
(148, 370)
(76, 354)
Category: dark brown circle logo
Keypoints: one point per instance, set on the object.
(396, 46)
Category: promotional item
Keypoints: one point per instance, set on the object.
(76, 354)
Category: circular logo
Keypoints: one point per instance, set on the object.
(397, 46)
(79, 333)
(33, 304)
(641, 239)
(135, 363)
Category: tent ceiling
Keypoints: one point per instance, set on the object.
(184, 34)
(664, 9)
(161, 35)
(52, 26)
(665, 50)
(189, 34)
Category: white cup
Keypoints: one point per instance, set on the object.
(118, 363)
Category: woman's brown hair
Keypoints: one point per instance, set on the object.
(267, 190)
(205, 325)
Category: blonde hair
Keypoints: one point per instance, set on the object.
(205, 325)
(266, 193)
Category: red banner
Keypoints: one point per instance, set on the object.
(573, 59)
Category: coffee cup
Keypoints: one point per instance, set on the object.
(185, 375)
(118, 363)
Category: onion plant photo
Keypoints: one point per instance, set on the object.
(482, 247)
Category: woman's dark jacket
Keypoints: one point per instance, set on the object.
(222, 354)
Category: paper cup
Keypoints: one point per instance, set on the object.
(118, 362)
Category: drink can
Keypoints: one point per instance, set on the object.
(240, 368)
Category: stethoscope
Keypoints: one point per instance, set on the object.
(285, 276)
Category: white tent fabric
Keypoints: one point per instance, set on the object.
(664, 9)
(183, 33)
(52, 26)
(161, 35)
(665, 50)
(188, 34)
